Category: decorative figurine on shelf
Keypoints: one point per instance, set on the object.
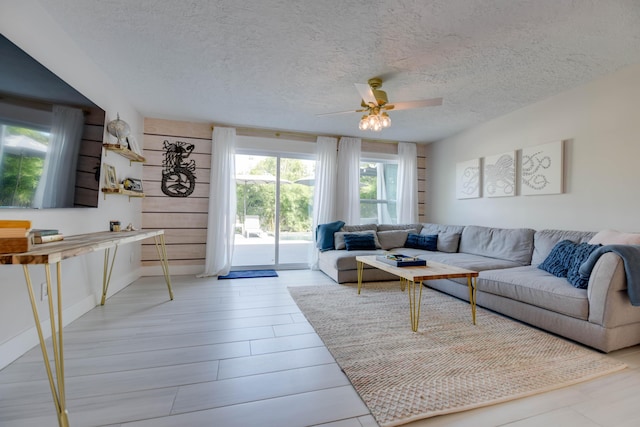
(132, 184)
(120, 129)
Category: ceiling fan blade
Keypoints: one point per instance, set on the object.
(340, 112)
(413, 104)
(366, 94)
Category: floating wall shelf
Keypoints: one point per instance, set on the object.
(124, 152)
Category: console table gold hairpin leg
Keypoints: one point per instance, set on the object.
(108, 266)
(52, 254)
(164, 261)
(57, 389)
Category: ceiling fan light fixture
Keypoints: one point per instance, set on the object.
(373, 101)
(364, 123)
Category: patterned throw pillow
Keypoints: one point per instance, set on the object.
(421, 241)
(580, 255)
(359, 242)
(559, 259)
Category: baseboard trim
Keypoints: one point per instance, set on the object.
(17, 346)
(174, 270)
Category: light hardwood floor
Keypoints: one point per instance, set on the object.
(240, 353)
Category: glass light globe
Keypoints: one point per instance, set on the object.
(364, 124)
(385, 121)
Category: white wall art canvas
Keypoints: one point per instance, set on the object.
(468, 179)
(499, 176)
(542, 169)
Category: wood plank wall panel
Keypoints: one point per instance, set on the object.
(185, 219)
(88, 168)
(422, 182)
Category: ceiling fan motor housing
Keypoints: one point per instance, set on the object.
(380, 95)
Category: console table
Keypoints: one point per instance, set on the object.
(53, 253)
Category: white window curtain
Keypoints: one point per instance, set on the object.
(58, 180)
(384, 217)
(222, 203)
(348, 187)
(324, 203)
(407, 194)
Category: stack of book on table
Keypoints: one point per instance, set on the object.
(399, 260)
(46, 236)
(14, 236)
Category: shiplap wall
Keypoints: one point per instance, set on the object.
(185, 219)
(88, 169)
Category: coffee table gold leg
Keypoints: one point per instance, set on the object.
(403, 283)
(360, 271)
(472, 297)
(57, 390)
(414, 303)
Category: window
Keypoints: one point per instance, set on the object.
(378, 191)
(274, 213)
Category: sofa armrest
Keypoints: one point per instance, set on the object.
(609, 304)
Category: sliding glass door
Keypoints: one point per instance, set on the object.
(274, 211)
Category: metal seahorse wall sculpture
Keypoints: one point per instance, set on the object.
(178, 177)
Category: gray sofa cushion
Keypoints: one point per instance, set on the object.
(430, 228)
(533, 286)
(459, 259)
(388, 227)
(545, 240)
(346, 260)
(338, 238)
(362, 227)
(448, 235)
(393, 238)
(448, 241)
(515, 244)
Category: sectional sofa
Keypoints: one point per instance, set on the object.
(510, 282)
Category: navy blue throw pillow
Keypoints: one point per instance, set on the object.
(359, 242)
(324, 235)
(580, 255)
(427, 242)
(559, 259)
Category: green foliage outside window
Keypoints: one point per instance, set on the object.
(21, 171)
(295, 199)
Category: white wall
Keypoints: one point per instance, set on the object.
(600, 123)
(27, 25)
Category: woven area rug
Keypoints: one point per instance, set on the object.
(449, 365)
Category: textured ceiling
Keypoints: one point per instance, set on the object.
(276, 64)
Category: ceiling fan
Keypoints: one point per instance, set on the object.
(376, 104)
